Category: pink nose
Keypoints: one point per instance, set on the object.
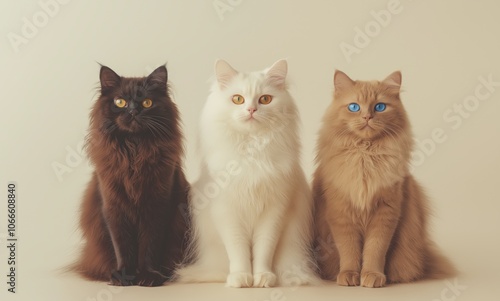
(251, 110)
(367, 117)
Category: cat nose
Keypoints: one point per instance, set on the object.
(133, 112)
(252, 110)
(367, 117)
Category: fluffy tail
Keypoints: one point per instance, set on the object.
(96, 268)
(437, 265)
(295, 264)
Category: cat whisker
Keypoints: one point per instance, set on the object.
(392, 134)
(158, 118)
(155, 130)
(152, 130)
(242, 117)
(150, 124)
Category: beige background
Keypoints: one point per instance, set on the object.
(442, 47)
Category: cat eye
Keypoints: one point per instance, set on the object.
(238, 99)
(147, 103)
(353, 107)
(120, 102)
(265, 99)
(380, 107)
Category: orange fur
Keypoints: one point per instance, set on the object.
(371, 214)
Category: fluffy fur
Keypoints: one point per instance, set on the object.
(133, 229)
(371, 213)
(251, 207)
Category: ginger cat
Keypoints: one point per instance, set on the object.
(367, 202)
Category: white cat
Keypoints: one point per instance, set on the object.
(251, 207)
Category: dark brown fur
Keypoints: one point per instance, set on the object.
(138, 190)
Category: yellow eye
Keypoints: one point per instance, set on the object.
(238, 99)
(265, 99)
(120, 102)
(147, 103)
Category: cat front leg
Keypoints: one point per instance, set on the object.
(348, 241)
(124, 238)
(153, 238)
(236, 240)
(240, 269)
(265, 240)
(378, 236)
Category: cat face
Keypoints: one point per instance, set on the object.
(251, 101)
(369, 109)
(134, 105)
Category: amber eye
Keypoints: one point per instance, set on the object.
(238, 99)
(147, 103)
(265, 99)
(120, 102)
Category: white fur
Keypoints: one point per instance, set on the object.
(251, 207)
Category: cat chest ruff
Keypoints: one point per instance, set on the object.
(362, 172)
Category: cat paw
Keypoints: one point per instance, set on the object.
(265, 279)
(372, 279)
(239, 279)
(150, 278)
(348, 278)
(122, 278)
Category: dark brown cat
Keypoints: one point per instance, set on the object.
(131, 213)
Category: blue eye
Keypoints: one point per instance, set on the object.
(353, 107)
(380, 107)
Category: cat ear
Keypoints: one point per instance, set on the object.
(224, 73)
(393, 80)
(159, 77)
(108, 78)
(277, 73)
(342, 81)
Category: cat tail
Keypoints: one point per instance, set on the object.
(73, 268)
(88, 271)
(204, 262)
(437, 265)
(295, 264)
(325, 251)
(205, 259)
(298, 273)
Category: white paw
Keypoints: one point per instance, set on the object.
(239, 279)
(265, 279)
